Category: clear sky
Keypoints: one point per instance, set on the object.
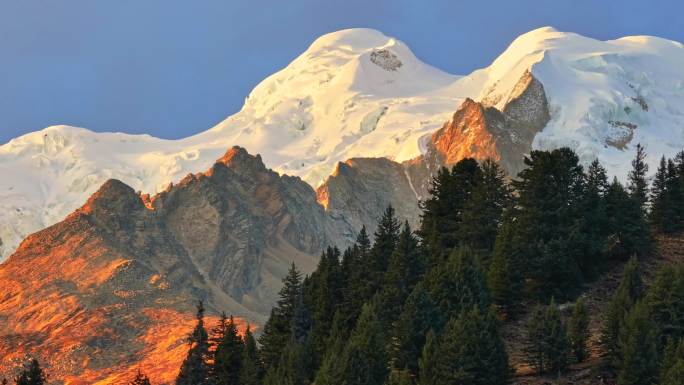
(174, 68)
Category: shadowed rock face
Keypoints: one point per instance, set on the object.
(113, 286)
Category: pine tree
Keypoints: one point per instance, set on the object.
(194, 370)
(638, 231)
(549, 190)
(578, 330)
(535, 340)
(419, 316)
(228, 352)
(659, 198)
(32, 374)
(665, 298)
(356, 275)
(471, 351)
(364, 359)
(639, 348)
(331, 369)
(546, 342)
(385, 240)
(673, 208)
(443, 211)
(638, 186)
(504, 278)
(325, 297)
(631, 289)
(629, 231)
(458, 283)
(428, 360)
(404, 271)
(672, 366)
(294, 366)
(278, 328)
(483, 211)
(251, 373)
(140, 379)
(557, 345)
(592, 228)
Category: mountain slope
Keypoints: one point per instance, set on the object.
(92, 294)
(358, 93)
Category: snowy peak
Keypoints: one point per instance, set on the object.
(359, 93)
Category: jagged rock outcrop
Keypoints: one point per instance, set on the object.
(360, 189)
(500, 127)
(113, 286)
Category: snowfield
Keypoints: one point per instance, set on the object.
(360, 93)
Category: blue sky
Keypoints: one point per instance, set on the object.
(174, 68)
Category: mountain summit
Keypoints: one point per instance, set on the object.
(358, 93)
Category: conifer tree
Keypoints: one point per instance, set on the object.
(356, 275)
(665, 298)
(140, 379)
(458, 283)
(578, 330)
(251, 372)
(483, 211)
(364, 359)
(628, 230)
(504, 278)
(592, 227)
(557, 346)
(278, 328)
(194, 370)
(659, 198)
(443, 211)
(535, 340)
(385, 240)
(628, 293)
(637, 229)
(638, 347)
(546, 342)
(471, 351)
(325, 297)
(672, 366)
(404, 271)
(549, 189)
(31, 374)
(331, 368)
(638, 185)
(419, 316)
(294, 365)
(228, 352)
(428, 360)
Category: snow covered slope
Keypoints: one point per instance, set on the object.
(360, 93)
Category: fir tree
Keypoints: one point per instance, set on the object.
(557, 346)
(637, 228)
(364, 359)
(592, 228)
(659, 198)
(325, 297)
(628, 293)
(278, 328)
(546, 342)
(483, 211)
(639, 348)
(251, 372)
(638, 186)
(672, 366)
(628, 230)
(331, 368)
(385, 240)
(535, 340)
(140, 379)
(673, 209)
(549, 189)
(504, 278)
(665, 298)
(428, 360)
(228, 352)
(419, 316)
(31, 374)
(458, 283)
(194, 370)
(471, 351)
(294, 366)
(578, 331)
(404, 271)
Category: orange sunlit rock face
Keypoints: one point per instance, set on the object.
(466, 135)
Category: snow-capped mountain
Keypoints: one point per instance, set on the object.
(360, 93)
